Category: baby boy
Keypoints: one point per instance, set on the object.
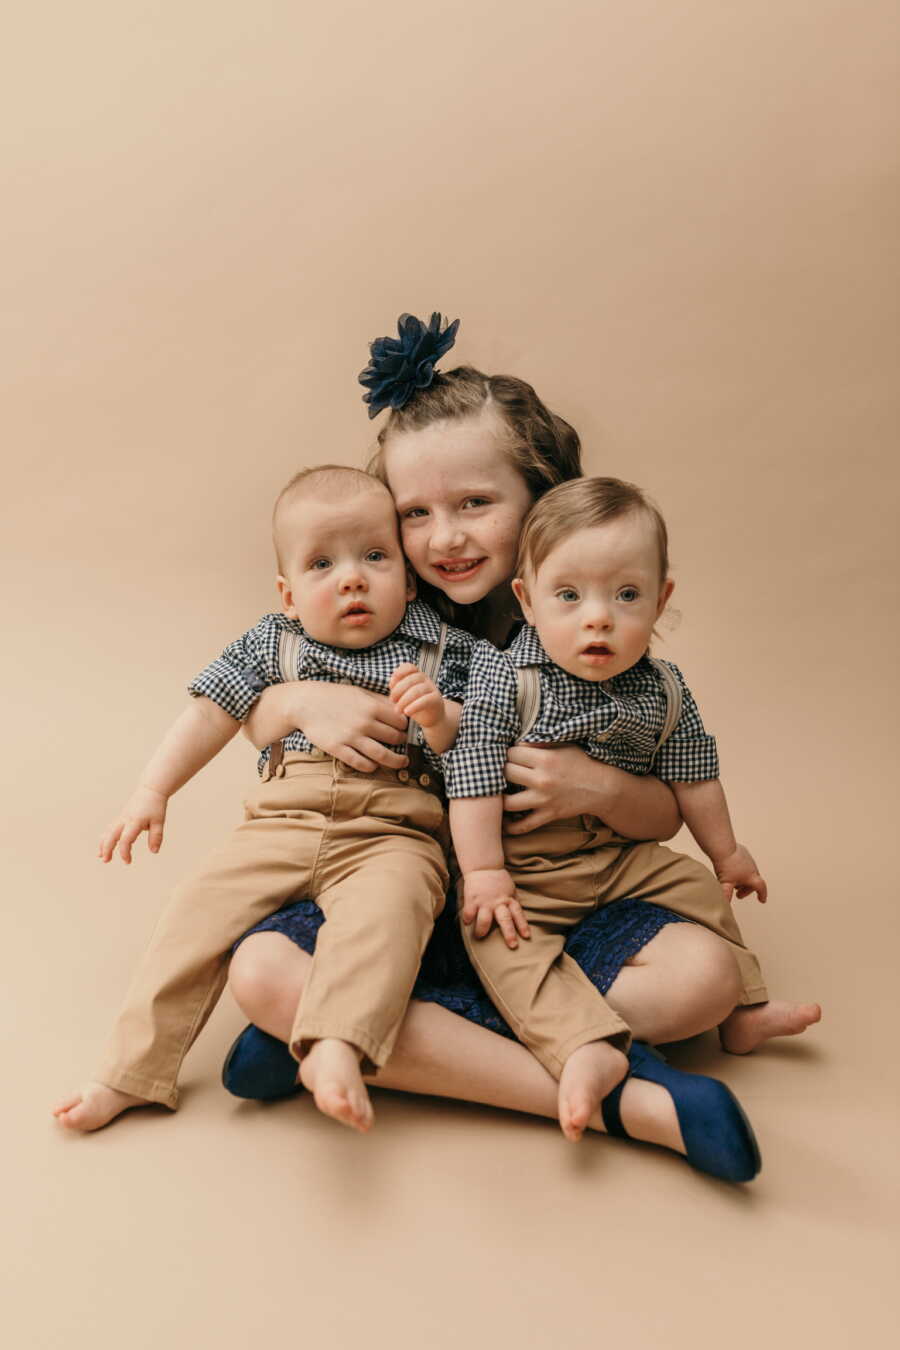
(592, 581)
(369, 848)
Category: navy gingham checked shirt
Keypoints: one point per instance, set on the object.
(617, 720)
(251, 664)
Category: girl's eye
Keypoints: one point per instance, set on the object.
(414, 513)
(628, 594)
(376, 555)
(320, 564)
(568, 594)
(476, 501)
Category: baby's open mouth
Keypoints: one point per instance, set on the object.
(355, 611)
(597, 649)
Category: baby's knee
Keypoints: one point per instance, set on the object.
(259, 968)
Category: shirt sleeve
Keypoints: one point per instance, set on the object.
(689, 755)
(236, 679)
(487, 728)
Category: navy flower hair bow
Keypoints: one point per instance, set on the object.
(401, 365)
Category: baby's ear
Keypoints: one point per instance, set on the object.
(286, 596)
(520, 591)
(410, 583)
(665, 594)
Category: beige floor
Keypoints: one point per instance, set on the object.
(678, 222)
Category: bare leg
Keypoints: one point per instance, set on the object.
(684, 981)
(437, 1053)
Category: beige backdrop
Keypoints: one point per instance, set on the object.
(675, 217)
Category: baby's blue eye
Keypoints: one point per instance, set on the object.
(376, 555)
(568, 594)
(320, 564)
(629, 594)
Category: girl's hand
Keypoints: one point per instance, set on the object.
(145, 810)
(739, 873)
(354, 725)
(490, 895)
(555, 784)
(415, 695)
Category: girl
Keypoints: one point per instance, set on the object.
(465, 455)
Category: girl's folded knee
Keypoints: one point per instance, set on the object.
(259, 967)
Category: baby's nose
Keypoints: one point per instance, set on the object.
(352, 579)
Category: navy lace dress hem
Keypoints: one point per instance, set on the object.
(601, 944)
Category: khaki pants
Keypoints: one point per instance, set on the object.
(368, 848)
(563, 872)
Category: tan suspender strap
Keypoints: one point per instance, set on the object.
(431, 654)
(674, 700)
(288, 655)
(288, 665)
(528, 697)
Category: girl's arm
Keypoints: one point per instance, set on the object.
(190, 743)
(354, 725)
(564, 781)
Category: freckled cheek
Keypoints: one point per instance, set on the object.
(502, 536)
(414, 544)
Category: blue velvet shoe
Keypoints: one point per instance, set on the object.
(260, 1067)
(718, 1137)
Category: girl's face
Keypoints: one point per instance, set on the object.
(461, 504)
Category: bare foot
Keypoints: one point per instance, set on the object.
(94, 1106)
(746, 1028)
(589, 1074)
(331, 1072)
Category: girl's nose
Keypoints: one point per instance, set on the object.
(446, 534)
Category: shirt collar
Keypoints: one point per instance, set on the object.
(420, 622)
(526, 648)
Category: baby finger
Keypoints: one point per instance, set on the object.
(518, 916)
(506, 926)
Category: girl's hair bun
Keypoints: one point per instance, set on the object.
(399, 366)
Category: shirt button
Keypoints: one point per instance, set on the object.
(403, 775)
(425, 779)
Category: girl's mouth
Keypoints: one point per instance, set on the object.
(598, 651)
(458, 569)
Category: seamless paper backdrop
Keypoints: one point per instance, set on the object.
(679, 222)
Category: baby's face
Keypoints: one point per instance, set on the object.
(596, 596)
(345, 576)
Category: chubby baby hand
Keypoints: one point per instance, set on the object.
(739, 873)
(144, 810)
(488, 896)
(416, 696)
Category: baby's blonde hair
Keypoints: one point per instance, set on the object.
(580, 505)
(328, 482)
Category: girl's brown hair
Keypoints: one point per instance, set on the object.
(544, 448)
